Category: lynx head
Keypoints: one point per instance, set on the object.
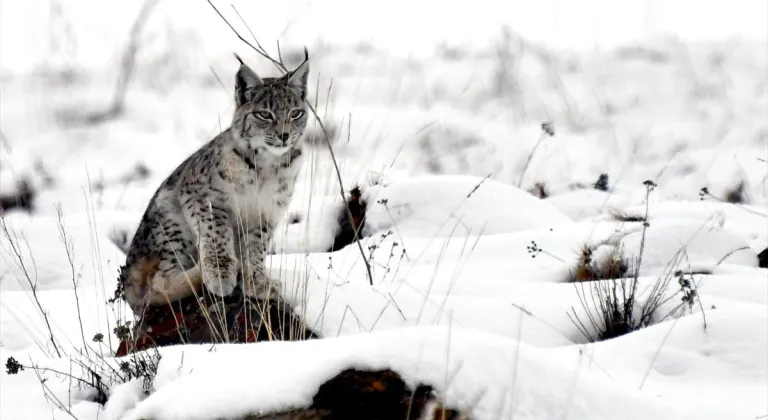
(271, 112)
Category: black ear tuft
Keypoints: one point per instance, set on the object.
(245, 80)
(240, 60)
(298, 77)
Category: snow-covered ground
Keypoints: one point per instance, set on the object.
(437, 111)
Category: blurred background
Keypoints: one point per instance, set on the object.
(100, 100)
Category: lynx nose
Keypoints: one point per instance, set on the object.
(285, 136)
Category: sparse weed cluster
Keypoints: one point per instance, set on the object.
(612, 302)
(607, 282)
(91, 367)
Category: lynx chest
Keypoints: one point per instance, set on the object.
(262, 192)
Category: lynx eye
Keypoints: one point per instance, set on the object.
(296, 114)
(264, 115)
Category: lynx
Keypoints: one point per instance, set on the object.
(214, 215)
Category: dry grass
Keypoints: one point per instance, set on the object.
(623, 216)
(737, 194)
(611, 265)
(609, 294)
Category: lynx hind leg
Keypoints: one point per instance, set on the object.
(148, 285)
(174, 286)
(138, 282)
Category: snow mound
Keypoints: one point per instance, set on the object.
(35, 251)
(422, 206)
(309, 227)
(748, 222)
(43, 250)
(670, 245)
(696, 359)
(493, 376)
(452, 205)
(586, 203)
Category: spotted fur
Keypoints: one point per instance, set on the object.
(213, 217)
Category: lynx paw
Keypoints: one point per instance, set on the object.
(219, 276)
(259, 286)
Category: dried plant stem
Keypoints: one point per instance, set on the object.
(69, 249)
(14, 247)
(530, 158)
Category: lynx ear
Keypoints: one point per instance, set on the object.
(298, 78)
(245, 80)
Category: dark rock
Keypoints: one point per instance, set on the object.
(22, 199)
(350, 227)
(602, 183)
(193, 321)
(368, 395)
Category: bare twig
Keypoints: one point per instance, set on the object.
(530, 157)
(14, 247)
(70, 250)
(50, 396)
(259, 49)
(128, 65)
(479, 184)
(341, 187)
(279, 62)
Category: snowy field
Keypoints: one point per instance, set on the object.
(477, 215)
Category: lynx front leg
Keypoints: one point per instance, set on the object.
(216, 241)
(256, 283)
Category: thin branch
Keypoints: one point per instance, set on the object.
(69, 249)
(341, 187)
(259, 49)
(530, 158)
(32, 284)
(279, 62)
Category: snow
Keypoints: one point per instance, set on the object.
(700, 247)
(742, 220)
(457, 200)
(438, 355)
(443, 133)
